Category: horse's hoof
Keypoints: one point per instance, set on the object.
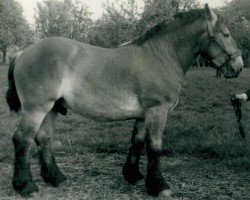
(132, 174)
(54, 180)
(166, 194)
(59, 179)
(25, 189)
(156, 186)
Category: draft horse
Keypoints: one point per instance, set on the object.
(140, 80)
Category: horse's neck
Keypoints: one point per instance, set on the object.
(176, 48)
(186, 45)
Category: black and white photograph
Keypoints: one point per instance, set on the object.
(125, 99)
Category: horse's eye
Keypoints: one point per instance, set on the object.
(226, 34)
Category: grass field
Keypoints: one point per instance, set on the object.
(205, 157)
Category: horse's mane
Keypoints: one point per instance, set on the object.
(185, 18)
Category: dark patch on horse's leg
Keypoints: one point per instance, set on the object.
(22, 140)
(131, 170)
(155, 124)
(22, 179)
(49, 169)
(155, 182)
(50, 172)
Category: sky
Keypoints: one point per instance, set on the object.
(95, 6)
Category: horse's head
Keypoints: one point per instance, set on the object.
(218, 47)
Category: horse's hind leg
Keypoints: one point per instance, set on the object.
(22, 139)
(49, 169)
(131, 170)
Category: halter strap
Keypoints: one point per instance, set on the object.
(211, 34)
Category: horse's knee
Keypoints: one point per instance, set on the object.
(42, 138)
(139, 134)
(17, 138)
(20, 139)
(140, 137)
(139, 143)
(27, 128)
(155, 145)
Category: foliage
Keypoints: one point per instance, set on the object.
(121, 21)
(156, 11)
(14, 30)
(244, 6)
(124, 21)
(118, 24)
(62, 18)
(236, 22)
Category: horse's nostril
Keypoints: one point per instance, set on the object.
(230, 67)
(238, 72)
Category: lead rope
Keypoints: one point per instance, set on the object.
(237, 108)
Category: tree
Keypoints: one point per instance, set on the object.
(62, 18)
(156, 11)
(124, 20)
(118, 24)
(14, 30)
(244, 6)
(121, 22)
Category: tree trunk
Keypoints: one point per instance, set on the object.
(198, 62)
(176, 4)
(4, 50)
(218, 73)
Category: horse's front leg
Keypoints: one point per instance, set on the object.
(131, 170)
(155, 120)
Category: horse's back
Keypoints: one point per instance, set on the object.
(57, 49)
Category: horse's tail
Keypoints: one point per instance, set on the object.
(11, 94)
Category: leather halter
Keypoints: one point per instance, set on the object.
(230, 55)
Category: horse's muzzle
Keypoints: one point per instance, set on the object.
(232, 68)
(237, 65)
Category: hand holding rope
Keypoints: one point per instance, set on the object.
(236, 102)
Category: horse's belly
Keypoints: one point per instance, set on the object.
(106, 108)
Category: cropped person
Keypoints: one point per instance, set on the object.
(245, 96)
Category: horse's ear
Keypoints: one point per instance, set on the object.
(208, 11)
(210, 14)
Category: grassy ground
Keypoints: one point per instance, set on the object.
(205, 157)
